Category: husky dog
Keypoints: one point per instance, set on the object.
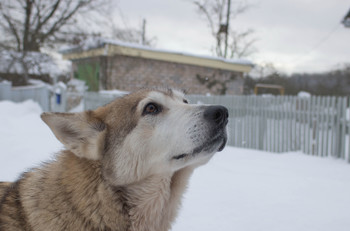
(125, 165)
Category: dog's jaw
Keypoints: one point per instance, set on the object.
(208, 148)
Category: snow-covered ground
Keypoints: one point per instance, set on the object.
(239, 189)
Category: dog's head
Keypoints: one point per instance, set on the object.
(145, 133)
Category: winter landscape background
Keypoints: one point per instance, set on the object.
(239, 189)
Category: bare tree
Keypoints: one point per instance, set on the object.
(126, 33)
(25, 64)
(229, 43)
(117, 26)
(242, 44)
(264, 69)
(28, 25)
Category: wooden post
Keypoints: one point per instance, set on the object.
(343, 127)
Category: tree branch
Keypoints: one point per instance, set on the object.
(13, 29)
(47, 17)
(66, 15)
(203, 9)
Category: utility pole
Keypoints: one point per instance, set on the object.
(143, 32)
(227, 26)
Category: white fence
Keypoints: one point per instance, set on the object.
(40, 94)
(316, 125)
(92, 100)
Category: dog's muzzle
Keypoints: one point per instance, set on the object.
(216, 119)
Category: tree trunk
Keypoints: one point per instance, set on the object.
(28, 11)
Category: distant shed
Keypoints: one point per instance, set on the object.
(108, 64)
(266, 88)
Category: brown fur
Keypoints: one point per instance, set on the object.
(79, 191)
(70, 194)
(3, 187)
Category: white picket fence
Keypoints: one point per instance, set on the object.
(37, 93)
(315, 125)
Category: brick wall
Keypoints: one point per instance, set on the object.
(131, 73)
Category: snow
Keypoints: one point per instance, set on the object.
(4, 81)
(36, 62)
(62, 85)
(78, 108)
(239, 189)
(114, 92)
(64, 66)
(25, 139)
(304, 94)
(77, 85)
(38, 83)
(97, 42)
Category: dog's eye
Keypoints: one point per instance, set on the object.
(151, 109)
(185, 101)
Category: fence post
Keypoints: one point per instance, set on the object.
(308, 126)
(338, 131)
(348, 122)
(274, 122)
(322, 125)
(317, 125)
(343, 126)
(5, 90)
(328, 111)
(262, 128)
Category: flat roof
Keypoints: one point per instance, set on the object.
(269, 86)
(107, 47)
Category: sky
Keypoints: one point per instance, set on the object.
(294, 35)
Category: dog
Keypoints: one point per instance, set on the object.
(125, 165)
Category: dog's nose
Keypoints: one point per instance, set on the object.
(216, 114)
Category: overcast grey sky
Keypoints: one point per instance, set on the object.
(294, 35)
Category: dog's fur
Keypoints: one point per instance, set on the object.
(125, 166)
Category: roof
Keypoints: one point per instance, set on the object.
(108, 47)
(346, 20)
(269, 86)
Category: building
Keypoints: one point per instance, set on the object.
(108, 64)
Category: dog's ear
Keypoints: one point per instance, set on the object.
(82, 133)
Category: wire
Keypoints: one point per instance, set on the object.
(320, 43)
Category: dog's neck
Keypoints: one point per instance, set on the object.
(154, 201)
(150, 204)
